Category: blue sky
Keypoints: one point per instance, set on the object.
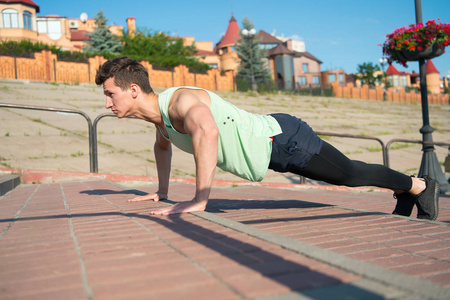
(341, 33)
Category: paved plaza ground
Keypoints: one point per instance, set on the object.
(68, 234)
(83, 240)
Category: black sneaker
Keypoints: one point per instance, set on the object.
(428, 200)
(405, 204)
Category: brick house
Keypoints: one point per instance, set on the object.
(290, 68)
(20, 22)
(399, 79)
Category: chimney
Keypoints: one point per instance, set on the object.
(289, 45)
(131, 26)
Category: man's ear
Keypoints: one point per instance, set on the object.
(135, 90)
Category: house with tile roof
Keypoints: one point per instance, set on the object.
(20, 22)
(225, 47)
(433, 81)
(398, 79)
(289, 68)
(18, 19)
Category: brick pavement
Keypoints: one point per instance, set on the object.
(82, 240)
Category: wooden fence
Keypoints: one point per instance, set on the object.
(46, 67)
(392, 94)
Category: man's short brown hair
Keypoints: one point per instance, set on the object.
(125, 71)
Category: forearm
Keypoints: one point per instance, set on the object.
(205, 155)
(163, 157)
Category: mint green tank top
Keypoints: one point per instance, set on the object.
(244, 144)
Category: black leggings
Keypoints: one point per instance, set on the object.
(331, 166)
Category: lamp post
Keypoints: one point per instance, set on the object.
(383, 62)
(430, 164)
(249, 35)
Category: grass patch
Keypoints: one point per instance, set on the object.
(373, 149)
(384, 133)
(397, 146)
(76, 154)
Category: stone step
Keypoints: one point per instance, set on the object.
(8, 183)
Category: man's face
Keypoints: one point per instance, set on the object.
(118, 100)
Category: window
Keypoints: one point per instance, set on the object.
(301, 80)
(10, 18)
(213, 66)
(224, 50)
(50, 27)
(395, 80)
(267, 46)
(331, 78)
(42, 26)
(305, 68)
(316, 80)
(341, 77)
(403, 81)
(27, 20)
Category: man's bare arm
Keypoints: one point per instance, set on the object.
(199, 123)
(163, 157)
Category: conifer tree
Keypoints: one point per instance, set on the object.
(101, 39)
(251, 57)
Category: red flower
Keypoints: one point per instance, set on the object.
(412, 48)
(420, 48)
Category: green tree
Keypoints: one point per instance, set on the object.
(102, 41)
(251, 57)
(161, 50)
(366, 74)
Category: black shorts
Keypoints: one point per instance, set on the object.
(295, 146)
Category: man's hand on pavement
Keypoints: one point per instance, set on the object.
(155, 197)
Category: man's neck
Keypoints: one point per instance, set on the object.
(148, 109)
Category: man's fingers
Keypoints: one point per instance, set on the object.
(149, 197)
(183, 207)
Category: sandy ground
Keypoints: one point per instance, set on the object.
(55, 141)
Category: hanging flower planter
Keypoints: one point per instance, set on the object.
(418, 41)
(431, 52)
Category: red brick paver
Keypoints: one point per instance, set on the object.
(81, 240)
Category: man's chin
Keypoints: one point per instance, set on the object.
(118, 114)
(121, 115)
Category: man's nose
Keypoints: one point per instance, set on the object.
(108, 102)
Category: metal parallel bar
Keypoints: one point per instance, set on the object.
(63, 110)
(92, 131)
(388, 145)
(94, 137)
